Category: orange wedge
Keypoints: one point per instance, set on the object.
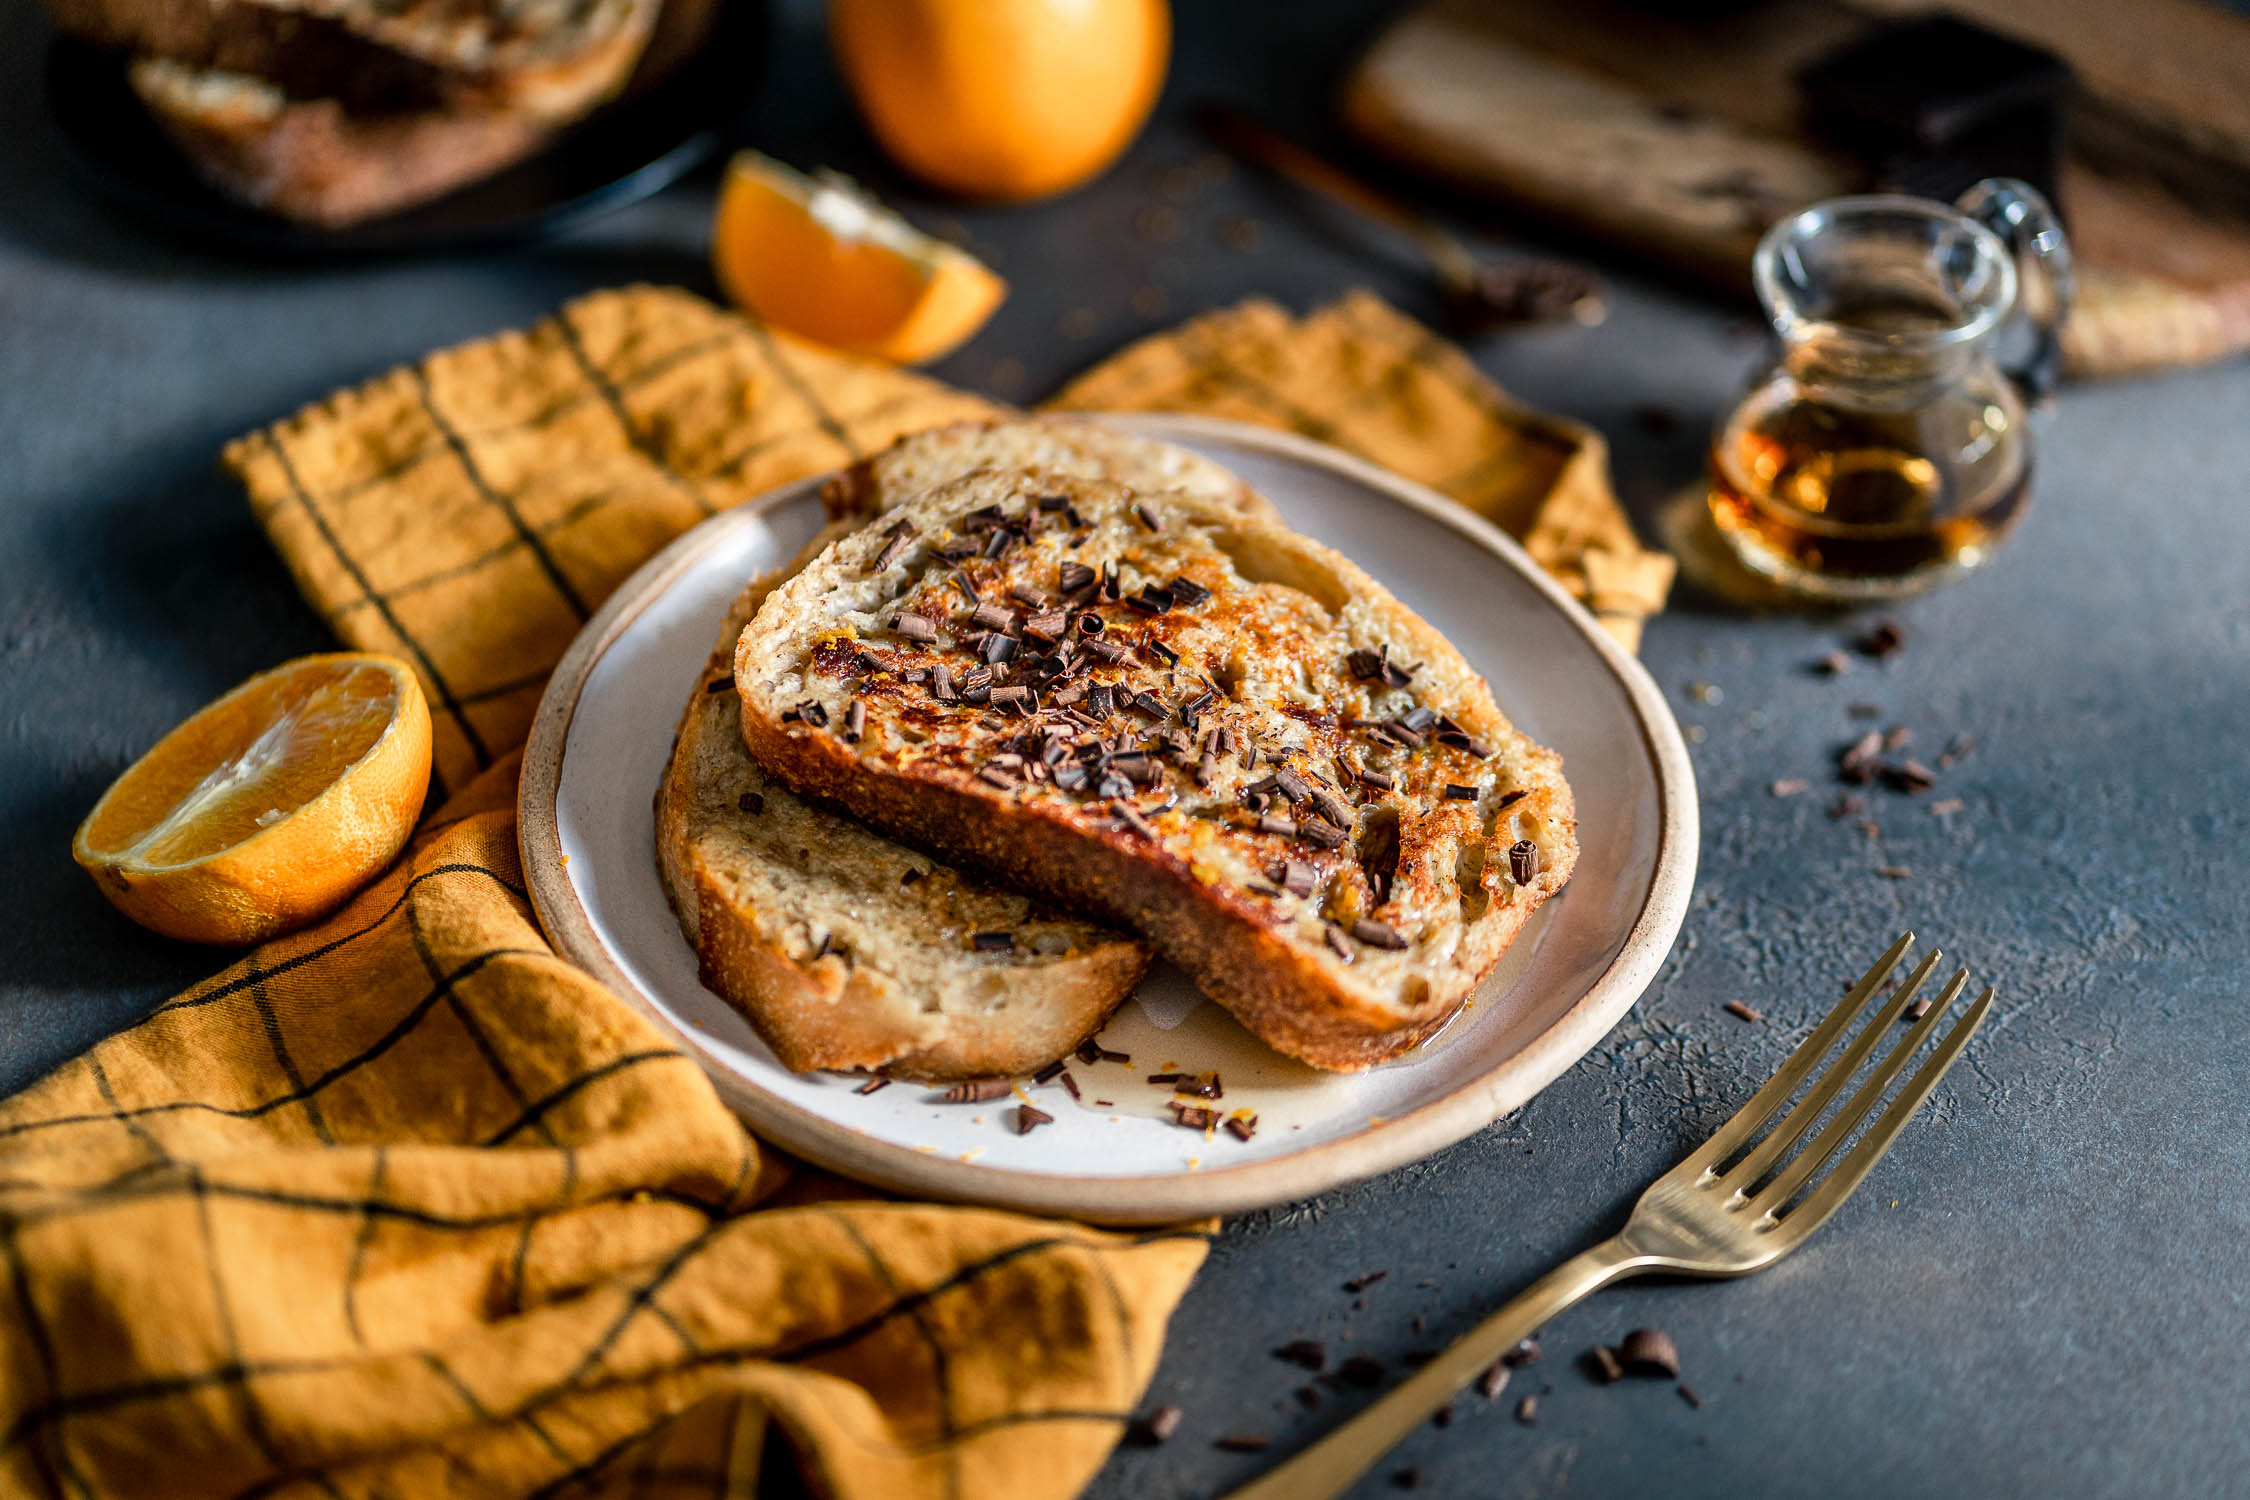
(268, 808)
(820, 258)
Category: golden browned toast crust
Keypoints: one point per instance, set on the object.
(1203, 725)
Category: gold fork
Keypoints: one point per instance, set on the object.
(1709, 1216)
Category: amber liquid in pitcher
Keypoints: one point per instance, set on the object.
(1849, 499)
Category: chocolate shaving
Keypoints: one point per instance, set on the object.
(1602, 1363)
(1070, 1086)
(1378, 934)
(1910, 776)
(1650, 1351)
(901, 537)
(1527, 1352)
(956, 548)
(977, 1091)
(1108, 651)
(1286, 827)
(1145, 516)
(1493, 1381)
(1049, 1073)
(1186, 591)
(1882, 639)
(1029, 1118)
(1322, 832)
(1159, 1425)
(1050, 625)
(1305, 1354)
(1363, 1370)
(1242, 1127)
(1192, 1116)
(1455, 792)
(1376, 781)
(915, 627)
(813, 713)
(1739, 1011)
(1334, 937)
(1132, 819)
(855, 719)
(1075, 576)
(968, 589)
(1523, 861)
(1527, 1411)
(751, 802)
(873, 1085)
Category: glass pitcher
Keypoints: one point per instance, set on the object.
(1886, 449)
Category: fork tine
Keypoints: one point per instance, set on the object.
(1839, 1130)
(1806, 1114)
(1830, 1195)
(1746, 1121)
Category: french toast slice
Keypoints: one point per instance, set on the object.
(1154, 707)
(809, 923)
(1072, 446)
(845, 950)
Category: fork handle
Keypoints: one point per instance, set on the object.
(1330, 1466)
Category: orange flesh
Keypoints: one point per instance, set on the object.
(244, 764)
(790, 269)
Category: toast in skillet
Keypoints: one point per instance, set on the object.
(1154, 707)
(842, 948)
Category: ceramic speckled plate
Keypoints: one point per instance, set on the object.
(604, 731)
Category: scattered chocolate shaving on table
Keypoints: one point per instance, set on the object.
(1305, 1354)
(1363, 1281)
(1688, 1395)
(1201, 1086)
(1158, 1426)
(1882, 639)
(1855, 763)
(1897, 737)
(1526, 1353)
(1527, 1411)
(1793, 787)
(1894, 872)
(1603, 1365)
(1191, 1116)
(1834, 664)
(1070, 1085)
(1029, 1119)
(873, 1085)
(1650, 1351)
(1242, 1442)
(1740, 1011)
(1242, 1127)
(1946, 807)
(1049, 1073)
(977, 1091)
(1846, 806)
(1910, 777)
(1363, 1370)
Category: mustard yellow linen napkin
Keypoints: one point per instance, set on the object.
(406, 1205)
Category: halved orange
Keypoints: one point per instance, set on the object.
(820, 258)
(268, 808)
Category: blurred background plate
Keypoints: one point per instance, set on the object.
(647, 140)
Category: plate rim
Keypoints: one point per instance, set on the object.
(1185, 1194)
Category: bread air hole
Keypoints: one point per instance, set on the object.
(1468, 878)
(1258, 559)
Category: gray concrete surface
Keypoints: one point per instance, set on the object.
(2040, 1294)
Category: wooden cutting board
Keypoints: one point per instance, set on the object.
(1681, 139)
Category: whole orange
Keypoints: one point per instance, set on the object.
(1003, 99)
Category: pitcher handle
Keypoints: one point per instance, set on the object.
(2030, 346)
